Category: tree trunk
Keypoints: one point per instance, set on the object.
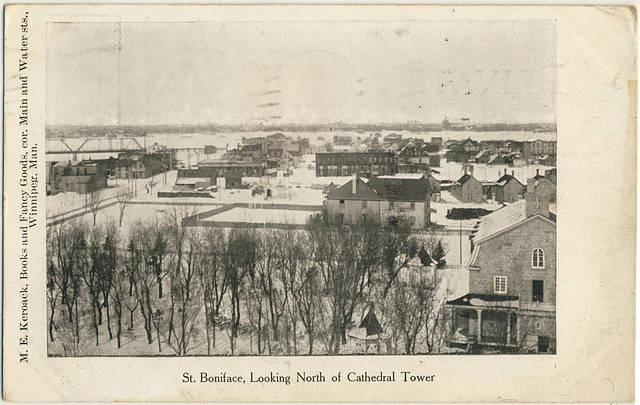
(53, 307)
(159, 279)
(119, 333)
(95, 323)
(108, 320)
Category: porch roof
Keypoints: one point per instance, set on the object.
(472, 300)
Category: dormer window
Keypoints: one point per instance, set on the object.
(537, 259)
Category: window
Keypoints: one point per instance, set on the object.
(537, 261)
(500, 285)
(412, 206)
(537, 291)
(364, 205)
(341, 203)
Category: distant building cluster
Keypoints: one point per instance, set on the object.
(378, 156)
(510, 153)
(90, 175)
(254, 157)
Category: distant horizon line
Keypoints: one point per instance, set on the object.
(397, 126)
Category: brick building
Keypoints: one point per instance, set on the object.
(143, 165)
(512, 282)
(365, 164)
(79, 177)
(534, 149)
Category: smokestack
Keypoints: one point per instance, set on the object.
(354, 183)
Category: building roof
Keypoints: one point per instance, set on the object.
(383, 189)
(189, 181)
(483, 300)
(502, 181)
(414, 176)
(464, 179)
(363, 192)
(398, 189)
(501, 219)
(371, 324)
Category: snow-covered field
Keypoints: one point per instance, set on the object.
(263, 216)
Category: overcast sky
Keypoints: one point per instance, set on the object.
(319, 72)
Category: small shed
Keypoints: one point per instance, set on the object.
(233, 179)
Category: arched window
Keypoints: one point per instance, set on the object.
(537, 259)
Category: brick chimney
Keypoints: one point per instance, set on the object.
(354, 184)
(536, 203)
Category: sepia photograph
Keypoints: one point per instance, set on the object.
(331, 203)
(317, 188)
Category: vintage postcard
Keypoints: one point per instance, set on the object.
(319, 203)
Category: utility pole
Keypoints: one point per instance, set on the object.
(460, 233)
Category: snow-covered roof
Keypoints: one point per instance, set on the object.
(501, 219)
(416, 176)
(189, 181)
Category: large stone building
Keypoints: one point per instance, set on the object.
(390, 201)
(511, 301)
(365, 164)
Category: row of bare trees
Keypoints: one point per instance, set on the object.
(267, 291)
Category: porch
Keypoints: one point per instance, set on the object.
(484, 321)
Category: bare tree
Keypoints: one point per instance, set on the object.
(90, 274)
(213, 279)
(94, 202)
(347, 257)
(185, 297)
(242, 257)
(123, 197)
(107, 269)
(272, 288)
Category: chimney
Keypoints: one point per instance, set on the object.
(537, 172)
(354, 184)
(536, 203)
(513, 172)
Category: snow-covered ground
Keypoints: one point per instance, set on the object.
(263, 216)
